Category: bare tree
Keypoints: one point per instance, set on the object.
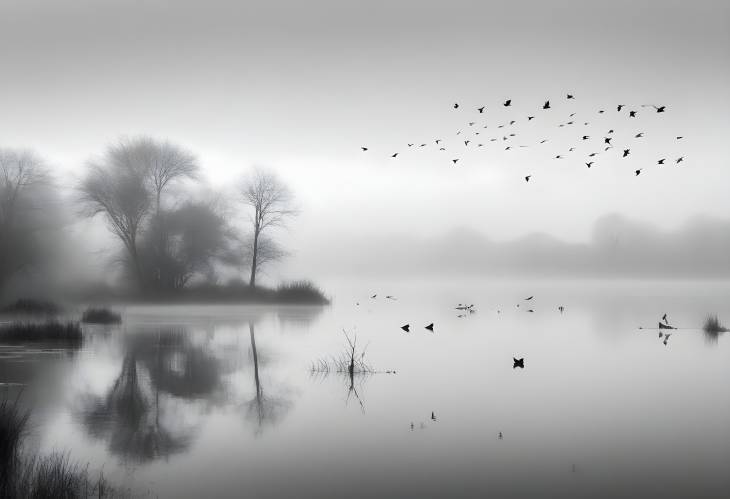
(272, 204)
(163, 163)
(21, 174)
(115, 187)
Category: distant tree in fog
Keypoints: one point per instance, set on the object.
(195, 238)
(22, 177)
(115, 187)
(167, 242)
(271, 204)
(163, 162)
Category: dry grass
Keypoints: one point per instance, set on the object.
(40, 477)
(68, 332)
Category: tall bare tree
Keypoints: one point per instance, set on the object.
(115, 188)
(272, 204)
(127, 184)
(22, 173)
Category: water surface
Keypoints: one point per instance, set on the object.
(219, 401)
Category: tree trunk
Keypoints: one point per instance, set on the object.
(252, 281)
(137, 266)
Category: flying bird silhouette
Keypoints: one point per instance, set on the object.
(639, 135)
(661, 161)
(638, 172)
(394, 155)
(364, 149)
(481, 109)
(589, 164)
(518, 363)
(570, 96)
(507, 103)
(586, 137)
(527, 178)
(406, 328)
(679, 159)
(626, 152)
(455, 160)
(529, 298)
(632, 114)
(456, 105)
(530, 118)
(619, 107)
(546, 105)
(607, 140)
(430, 327)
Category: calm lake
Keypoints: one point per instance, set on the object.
(220, 401)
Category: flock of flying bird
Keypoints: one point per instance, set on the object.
(508, 133)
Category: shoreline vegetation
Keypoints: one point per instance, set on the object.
(68, 333)
(27, 475)
(288, 293)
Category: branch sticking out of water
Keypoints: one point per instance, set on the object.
(351, 361)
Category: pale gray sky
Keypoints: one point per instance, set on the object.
(300, 86)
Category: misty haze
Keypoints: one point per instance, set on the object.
(326, 249)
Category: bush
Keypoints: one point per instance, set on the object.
(100, 316)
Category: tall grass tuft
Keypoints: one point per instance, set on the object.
(100, 316)
(712, 325)
(67, 332)
(300, 292)
(30, 306)
(40, 477)
(13, 423)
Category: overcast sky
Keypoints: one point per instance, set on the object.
(300, 86)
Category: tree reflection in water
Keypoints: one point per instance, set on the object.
(132, 416)
(263, 409)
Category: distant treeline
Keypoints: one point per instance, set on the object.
(619, 248)
(175, 238)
